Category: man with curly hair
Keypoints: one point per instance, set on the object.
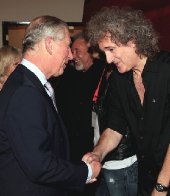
(139, 94)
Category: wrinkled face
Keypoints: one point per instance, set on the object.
(80, 54)
(123, 56)
(60, 55)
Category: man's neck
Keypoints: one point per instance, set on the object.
(138, 69)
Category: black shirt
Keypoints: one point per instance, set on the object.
(150, 123)
(74, 94)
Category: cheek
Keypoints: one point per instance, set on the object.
(80, 56)
(126, 59)
(61, 56)
(67, 52)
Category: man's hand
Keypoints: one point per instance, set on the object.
(96, 167)
(93, 161)
(108, 141)
(90, 157)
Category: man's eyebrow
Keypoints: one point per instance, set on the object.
(108, 47)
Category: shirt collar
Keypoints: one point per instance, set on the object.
(33, 68)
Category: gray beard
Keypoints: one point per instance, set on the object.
(80, 67)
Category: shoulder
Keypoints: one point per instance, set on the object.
(98, 64)
(21, 86)
(162, 56)
(159, 63)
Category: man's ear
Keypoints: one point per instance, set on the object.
(49, 44)
(131, 44)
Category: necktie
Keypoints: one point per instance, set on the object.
(50, 92)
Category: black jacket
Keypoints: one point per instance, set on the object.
(34, 149)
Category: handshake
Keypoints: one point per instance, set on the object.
(94, 161)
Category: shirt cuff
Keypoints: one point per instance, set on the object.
(89, 173)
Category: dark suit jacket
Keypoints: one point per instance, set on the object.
(33, 142)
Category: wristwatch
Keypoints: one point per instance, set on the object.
(160, 188)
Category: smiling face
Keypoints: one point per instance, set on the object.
(123, 56)
(80, 54)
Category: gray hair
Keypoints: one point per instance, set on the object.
(80, 35)
(42, 27)
(124, 24)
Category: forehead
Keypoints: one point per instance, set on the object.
(106, 41)
(79, 43)
(66, 38)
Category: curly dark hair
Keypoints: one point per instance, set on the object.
(124, 25)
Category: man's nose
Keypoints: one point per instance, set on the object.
(70, 55)
(109, 58)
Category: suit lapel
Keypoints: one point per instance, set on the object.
(34, 79)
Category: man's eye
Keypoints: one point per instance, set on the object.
(111, 49)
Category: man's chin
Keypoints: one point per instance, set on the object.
(121, 71)
(59, 73)
(79, 67)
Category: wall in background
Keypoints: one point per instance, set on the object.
(24, 10)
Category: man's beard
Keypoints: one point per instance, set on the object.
(79, 67)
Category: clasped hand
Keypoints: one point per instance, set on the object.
(95, 164)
